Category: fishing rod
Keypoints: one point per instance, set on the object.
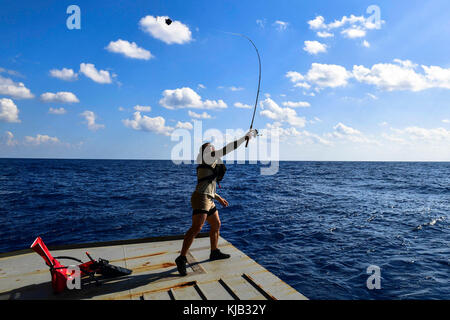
(259, 80)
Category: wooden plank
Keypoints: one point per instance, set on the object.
(274, 286)
(186, 293)
(243, 289)
(162, 295)
(213, 290)
(258, 287)
(229, 289)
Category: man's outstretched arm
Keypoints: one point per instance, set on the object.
(234, 145)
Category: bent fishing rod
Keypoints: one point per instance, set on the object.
(259, 79)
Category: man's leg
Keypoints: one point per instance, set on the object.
(197, 224)
(214, 222)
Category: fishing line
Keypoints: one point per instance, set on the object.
(259, 78)
(169, 22)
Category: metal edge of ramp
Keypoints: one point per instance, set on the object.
(102, 244)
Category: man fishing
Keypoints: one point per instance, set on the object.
(209, 171)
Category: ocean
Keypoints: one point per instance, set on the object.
(316, 225)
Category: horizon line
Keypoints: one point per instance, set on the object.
(237, 161)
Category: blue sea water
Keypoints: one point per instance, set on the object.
(316, 225)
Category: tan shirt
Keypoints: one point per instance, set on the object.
(209, 188)
(206, 187)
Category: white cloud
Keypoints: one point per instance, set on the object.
(353, 27)
(188, 98)
(203, 115)
(146, 123)
(317, 23)
(314, 47)
(64, 74)
(299, 104)
(347, 133)
(436, 134)
(212, 104)
(129, 49)
(437, 77)
(8, 111)
(142, 108)
(11, 72)
(201, 86)
(406, 63)
(300, 137)
(353, 33)
(415, 135)
(303, 85)
(391, 77)
(324, 34)
(41, 139)
(90, 118)
(260, 22)
(14, 89)
(273, 111)
(242, 105)
(321, 75)
(386, 76)
(63, 96)
(354, 21)
(157, 27)
(281, 25)
(9, 137)
(57, 111)
(446, 121)
(233, 88)
(311, 138)
(342, 129)
(395, 139)
(315, 120)
(328, 75)
(184, 125)
(99, 76)
(294, 76)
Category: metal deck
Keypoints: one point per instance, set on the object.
(24, 275)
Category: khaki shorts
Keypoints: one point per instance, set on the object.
(202, 204)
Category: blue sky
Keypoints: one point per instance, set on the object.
(335, 85)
